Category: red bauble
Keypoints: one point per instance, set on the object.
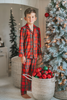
(48, 76)
(38, 69)
(38, 74)
(52, 74)
(40, 77)
(44, 76)
(46, 72)
(46, 14)
(43, 71)
(49, 71)
(34, 73)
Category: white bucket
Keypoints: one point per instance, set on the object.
(42, 89)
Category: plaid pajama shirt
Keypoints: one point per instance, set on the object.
(30, 47)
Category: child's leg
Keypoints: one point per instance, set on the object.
(31, 70)
(24, 81)
(33, 66)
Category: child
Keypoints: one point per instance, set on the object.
(29, 49)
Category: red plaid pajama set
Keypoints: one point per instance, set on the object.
(30, 47)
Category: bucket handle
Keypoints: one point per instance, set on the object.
(28, 77)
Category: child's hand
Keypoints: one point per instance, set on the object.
(40, 57)
(23, 60)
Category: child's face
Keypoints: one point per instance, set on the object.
(30, 18)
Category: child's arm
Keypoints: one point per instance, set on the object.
(39, 44)
(21, 46)
(39, 47)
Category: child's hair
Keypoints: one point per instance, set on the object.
(29, 11)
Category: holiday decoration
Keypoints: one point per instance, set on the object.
(45, 68)
(13, 36)
(21, 19)
(55, 42)
(46, 14)
(43, 73)
(43, 86)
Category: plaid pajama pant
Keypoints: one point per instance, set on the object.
(27, 68)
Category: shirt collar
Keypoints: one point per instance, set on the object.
(28, 26)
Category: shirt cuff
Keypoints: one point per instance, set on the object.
(21, 55)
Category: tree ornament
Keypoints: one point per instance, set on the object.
(49, 71)
(45, 68)
(34, 73)
(44, 76)
(39, 74)
(36, 76)
(40, 77)
(46, 72)
(38, 69)
(46, 14)
(43, 71)
(52, 75)
(48, 76)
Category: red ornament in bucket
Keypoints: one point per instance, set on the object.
(43, 73)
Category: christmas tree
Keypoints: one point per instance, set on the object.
(13, 49)
(55, 42)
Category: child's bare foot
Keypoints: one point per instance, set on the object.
(26, 96)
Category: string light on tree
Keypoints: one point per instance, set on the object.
(54, 41)
(11, 8)
(66, 59)
(48, 41)
(19, 24)
(57, 6)
(48, 46)
(20, 8)
(20, 21)
(62, 75)
(21, 18)
(19, 29)
(47, 37)
(64, 2)
(64, 25)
